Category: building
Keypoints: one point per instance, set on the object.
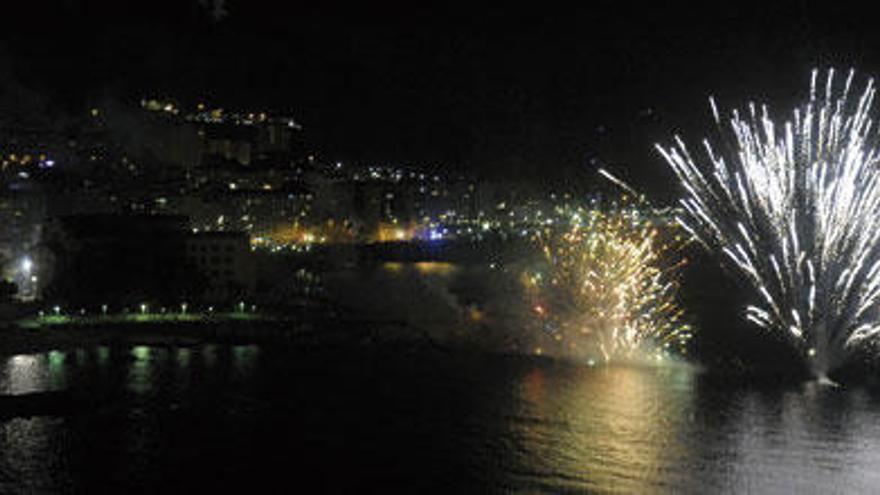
(125, 260)
(233, 143)
(224, 259)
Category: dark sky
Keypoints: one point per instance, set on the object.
(532, 93)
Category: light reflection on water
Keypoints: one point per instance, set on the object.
(245, 359)
(103, 355)
(498, 425)
(209, 355)
(29, 373)
(27, 447)
(606, 428)
(140, 379)
(183, 357)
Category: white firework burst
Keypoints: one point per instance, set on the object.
(795, 208)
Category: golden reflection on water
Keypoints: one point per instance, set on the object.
(422, 267)
(434, 268)
(393, 266)
(609, 429)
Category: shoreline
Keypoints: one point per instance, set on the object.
(311, 331)
(28, 335)
(311, 334)
(306, 331)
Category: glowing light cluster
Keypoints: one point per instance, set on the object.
(795, 209)
(297, 234)
(607, 288)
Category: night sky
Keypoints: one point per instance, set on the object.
(532, 94)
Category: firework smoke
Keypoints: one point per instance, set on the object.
(795, 209)
(607, 289)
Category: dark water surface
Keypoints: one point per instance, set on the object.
(251, 419)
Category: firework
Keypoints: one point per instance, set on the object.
(607, 287)
(795, 209)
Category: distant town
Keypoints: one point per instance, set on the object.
(187, 206)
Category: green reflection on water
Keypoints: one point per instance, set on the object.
(184, 356)
(209, 355)
(57, 371)
(141, 353)
(139, 379)
(103, 355)
(245, 357)
(56, 359)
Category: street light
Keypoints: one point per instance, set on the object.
(26, 266)
(27, 278)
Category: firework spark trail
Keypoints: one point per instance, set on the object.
(608, 288)
(796, 210)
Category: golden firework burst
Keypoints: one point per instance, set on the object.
(606, 286)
